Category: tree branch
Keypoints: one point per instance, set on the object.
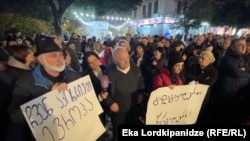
(53, 6)
(63, 6)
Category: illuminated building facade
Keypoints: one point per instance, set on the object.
(157, 17)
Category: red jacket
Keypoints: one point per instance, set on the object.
(105, 55)
(164, 79)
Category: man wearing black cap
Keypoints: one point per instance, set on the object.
(49, 74)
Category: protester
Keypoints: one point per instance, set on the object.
(49, 74)
(74, 63)
(126, 89)
(232, 83)
(171, 75)
(95, 70)
(21, 60)
(151, 67)
(205, 73)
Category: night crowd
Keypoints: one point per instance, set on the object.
(32, 65)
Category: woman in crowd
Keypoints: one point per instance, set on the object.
(140, 57)
(151, 67)
(67, 58)
(95, 70)
(139, 54)
(205, 73)
(92, 67)
(171, 75)
(125, 44)
(74, 61)
(20, 62)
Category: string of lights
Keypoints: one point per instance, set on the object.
(92, 17)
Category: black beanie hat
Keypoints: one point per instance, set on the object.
(174, 57)
(45, 45)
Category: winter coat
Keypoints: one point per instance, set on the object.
(164, 79)
(28, 87)
(231, 78)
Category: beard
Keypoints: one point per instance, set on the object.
(58, 67)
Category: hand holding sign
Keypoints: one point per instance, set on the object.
(65, 115)
(59, 86)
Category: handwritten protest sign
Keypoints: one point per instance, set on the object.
(178, 106)
(70, 115)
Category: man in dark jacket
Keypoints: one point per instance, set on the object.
(49, 74)
(233, 80)
(126, 89)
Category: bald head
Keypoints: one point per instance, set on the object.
(121, 57)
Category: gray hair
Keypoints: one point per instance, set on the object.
(115, 49)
